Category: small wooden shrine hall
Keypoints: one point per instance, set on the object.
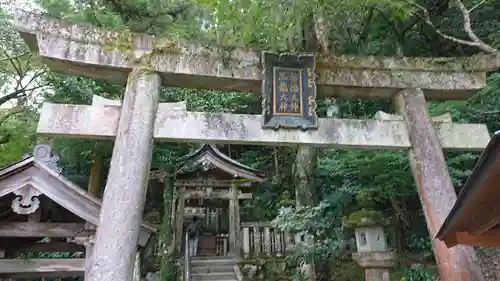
(475, 218)
(41, 212)
(210, 186)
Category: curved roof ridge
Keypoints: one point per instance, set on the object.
(231, 160)
(211, 153)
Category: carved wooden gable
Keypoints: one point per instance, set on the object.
(37, 176)
(208, 158)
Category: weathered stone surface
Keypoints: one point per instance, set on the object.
(150, 276)
(103, 102)
(380, 115)
(377, 274)
(100, 122)
(434, 186)
(489, 258)
(117, 233)
(375, 259)
(87, 51)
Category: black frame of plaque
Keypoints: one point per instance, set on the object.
(305, 66)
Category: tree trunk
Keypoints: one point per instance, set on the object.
(166, 229)
(305, 163)
(303, 172)
(321, 28)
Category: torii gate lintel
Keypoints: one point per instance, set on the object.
(86, 51)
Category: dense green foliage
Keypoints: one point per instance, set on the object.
(345, 180)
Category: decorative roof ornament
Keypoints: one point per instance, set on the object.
(206, 165)
(27, 201)
(43, 152)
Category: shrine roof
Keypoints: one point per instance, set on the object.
(475, 217)
(208, 156)
(44, 177)
(112, 54)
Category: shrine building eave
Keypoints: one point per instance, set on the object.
(209, 155)
(35, 174)
(474, 219)
(87, 51)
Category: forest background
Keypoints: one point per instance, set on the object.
(341, 181)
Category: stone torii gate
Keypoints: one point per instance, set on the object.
(145, 63)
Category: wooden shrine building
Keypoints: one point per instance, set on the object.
(210, 186)
(475, 218)
(41, 212)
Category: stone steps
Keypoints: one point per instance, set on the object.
(213, 260)
(213, 269)
(226, 276)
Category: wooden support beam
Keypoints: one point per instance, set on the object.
(207, 204)
(37, 275)
(206, 183)
(434, 185)
(234, 223)
(179, 218)
(196, 194)
(31, 229)
(49, 247)
(490, 238)
(51, 267)
(258, 224)
(101, 122)
(96, 174)
(113, 255)
(94, 188)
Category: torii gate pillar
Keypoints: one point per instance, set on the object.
(434, 185)
(123, 203)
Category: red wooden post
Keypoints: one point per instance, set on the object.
(434, 185)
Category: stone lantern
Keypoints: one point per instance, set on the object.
(372, 251)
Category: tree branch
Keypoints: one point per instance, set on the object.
(477, 6)
(438, 9)
(20, 90)
(19, 93)
(8, 58)
(9, 113)
(486, 112)
(474, 40)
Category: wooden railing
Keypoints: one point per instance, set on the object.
(258, 239)
(222, 245)
(263, 239)
(187, 260)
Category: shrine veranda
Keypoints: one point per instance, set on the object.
(146, 63)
